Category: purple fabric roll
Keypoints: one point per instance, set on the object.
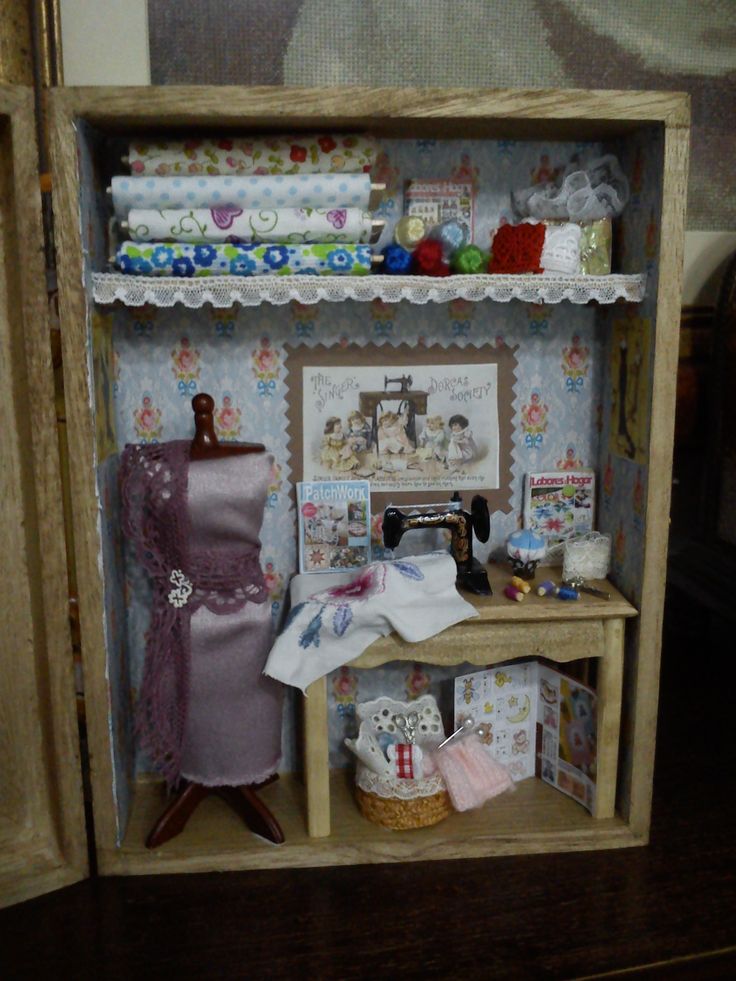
(233, 727)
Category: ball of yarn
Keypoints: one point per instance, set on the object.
(428, 259)
(409, 231)
(396, 261)
(452, 235)
(470, 259)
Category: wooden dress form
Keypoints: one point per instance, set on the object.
(213, 761)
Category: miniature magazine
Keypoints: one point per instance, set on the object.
(538, 722)
(437, 201)
(334, 524)
(559, 504)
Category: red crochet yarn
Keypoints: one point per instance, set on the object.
(517, 249)
(427, 259)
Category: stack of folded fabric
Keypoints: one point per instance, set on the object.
(270, 206)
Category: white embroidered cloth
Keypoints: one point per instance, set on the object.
(416, 597)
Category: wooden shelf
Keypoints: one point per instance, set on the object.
(224, 291)
(533, 819)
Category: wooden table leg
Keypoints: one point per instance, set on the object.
(317, 760)
(610, 684)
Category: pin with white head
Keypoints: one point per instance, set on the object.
(465, 727)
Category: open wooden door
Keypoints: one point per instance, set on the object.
(42, 832)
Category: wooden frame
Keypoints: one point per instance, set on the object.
(42, 834)
(404, 112)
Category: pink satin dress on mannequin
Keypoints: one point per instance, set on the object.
(233, 728)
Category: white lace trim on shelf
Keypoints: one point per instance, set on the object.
(389, 787)
(224, 291)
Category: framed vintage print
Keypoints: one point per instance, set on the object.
(418, 423)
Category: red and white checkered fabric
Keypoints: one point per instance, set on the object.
(404, 761)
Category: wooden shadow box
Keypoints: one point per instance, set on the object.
(649, 133)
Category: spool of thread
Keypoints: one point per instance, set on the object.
(469, 260)
(547, 588)
(451, 235)
(397, 260)
(512, 593)
(521, 584)
(567, 593)
(409, 231)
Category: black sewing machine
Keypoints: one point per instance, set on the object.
(470, 573)
(404, 382)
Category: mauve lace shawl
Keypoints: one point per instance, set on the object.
(154, 481)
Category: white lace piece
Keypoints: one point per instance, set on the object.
(390, 787)
(561, 250)
(589, 191)
(379, 714)
(225, 291)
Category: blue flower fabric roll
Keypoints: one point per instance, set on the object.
(177, 259)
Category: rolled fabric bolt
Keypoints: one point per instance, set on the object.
(293, 153)
(512, 593)
(547, 588)
(184, 260)
(566, 593)
(281, 226)
(521, 584)
(276, 191)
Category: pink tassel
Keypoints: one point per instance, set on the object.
(471, 775)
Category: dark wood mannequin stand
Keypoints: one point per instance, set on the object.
(244, 799)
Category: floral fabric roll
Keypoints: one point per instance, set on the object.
(280, 191)
(287, 225)
(175, 259)
(301, 154)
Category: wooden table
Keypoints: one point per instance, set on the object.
(504, 630)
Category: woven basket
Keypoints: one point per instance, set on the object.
(400, 814)
(384, 798)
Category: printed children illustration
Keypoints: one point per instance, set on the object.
(359, 432)
(337, 453)
(461, 448)
(424, 427)
(433, 440)
(392, 437)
